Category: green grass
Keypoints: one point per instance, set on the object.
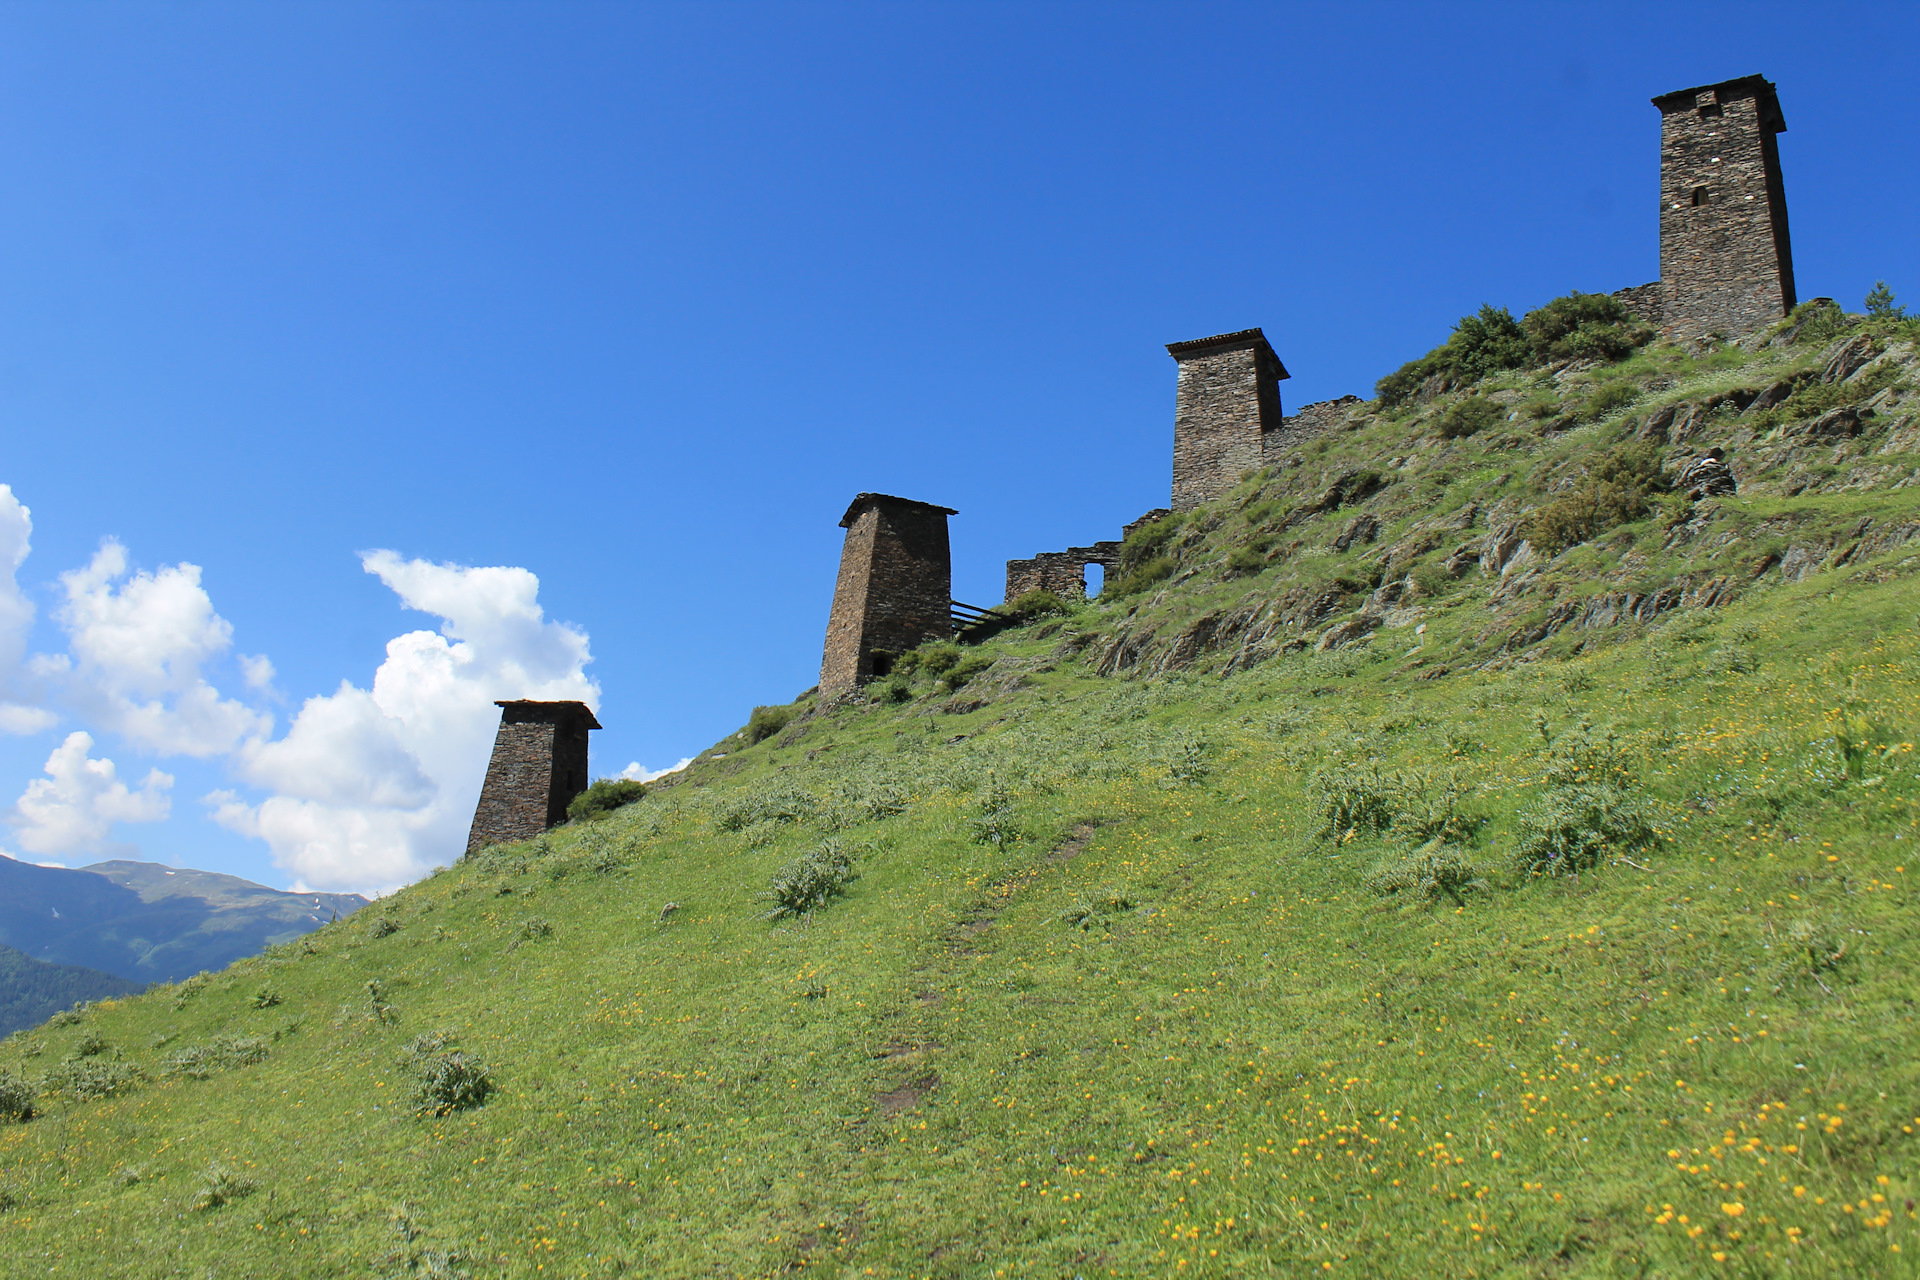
(1107, 995)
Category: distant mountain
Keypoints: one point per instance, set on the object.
(31, 991)
(148, 923)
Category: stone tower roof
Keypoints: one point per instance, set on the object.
(1240, 338)
(1759, 88)
(527, 711)
(862, 500)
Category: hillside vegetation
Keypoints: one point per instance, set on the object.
(1453, 854)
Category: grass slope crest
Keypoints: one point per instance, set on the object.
(1461, 851)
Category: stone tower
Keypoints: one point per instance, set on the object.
(1228, 399)
(1726, 265)
(895, 588)
(539, 765)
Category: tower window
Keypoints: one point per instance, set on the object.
(1699, 196)
(1711, 109)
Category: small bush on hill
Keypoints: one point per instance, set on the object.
(1098, 911)
(773, 803)
(1475, 413)
(223, 1053)
(1579, 326)
(995, 822)
(451, 1082)
(1880, 305)
(966, 669)
(1486, 342)
(606, 795)
(1608, 397)
(1158, 569)
(765, 722)
(1618, 490)
(16, 1097)
(1583, 326)
(1430, 872)
(85, 1079)
(219, 1186)
(1587, 807)
(809, 882)
(1037, 604)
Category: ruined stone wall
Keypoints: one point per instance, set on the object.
(1065, 572)
(1646, 301)
(1726, 265)
(1312, 421)
(1226, 400)
(895, 588)
(539, 765)
(1062, 572)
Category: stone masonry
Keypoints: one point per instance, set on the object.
(539, 765)
(1065, 572)
(1726, 266)
(895, 589)
(1227, 400)
(1312, 420)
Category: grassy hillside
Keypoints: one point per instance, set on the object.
(1361, 888)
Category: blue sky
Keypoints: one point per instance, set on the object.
(632, 299)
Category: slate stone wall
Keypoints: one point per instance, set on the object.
(1647, 301)
(895, 588)
(539, 765)
(1312, 421)
(1065, 572)
(1726, 265)
(1226, 401)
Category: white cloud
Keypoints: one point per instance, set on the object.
(257, 670)
(73, 808)
(21, 721)
(137, 645)
(373, 787)
(16, 611)
(638, 773)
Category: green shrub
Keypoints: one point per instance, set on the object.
(90, 1045)
(382, 926)
(450, 1082)
(1251, 558)
(1351, 799)
(16, 1097)
(1617, 491)
(1587, 807)
(608, 794)
(1608, 397)
(1464, 418)
(265, 997)
(777, 802)
(219, 1186)
(1428, 873)
(71, 1017)
(1486, 342)
(1187, 760)
(1132, 581)
(765, 722)
(1879, 303)
(894, 690)
(1582, 326)
(1097, 912)
(223, 1053)
(966, 669)
(809, 882)
(994, 823)
(86, 1079)
(1147, 542)
(1037, 604)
